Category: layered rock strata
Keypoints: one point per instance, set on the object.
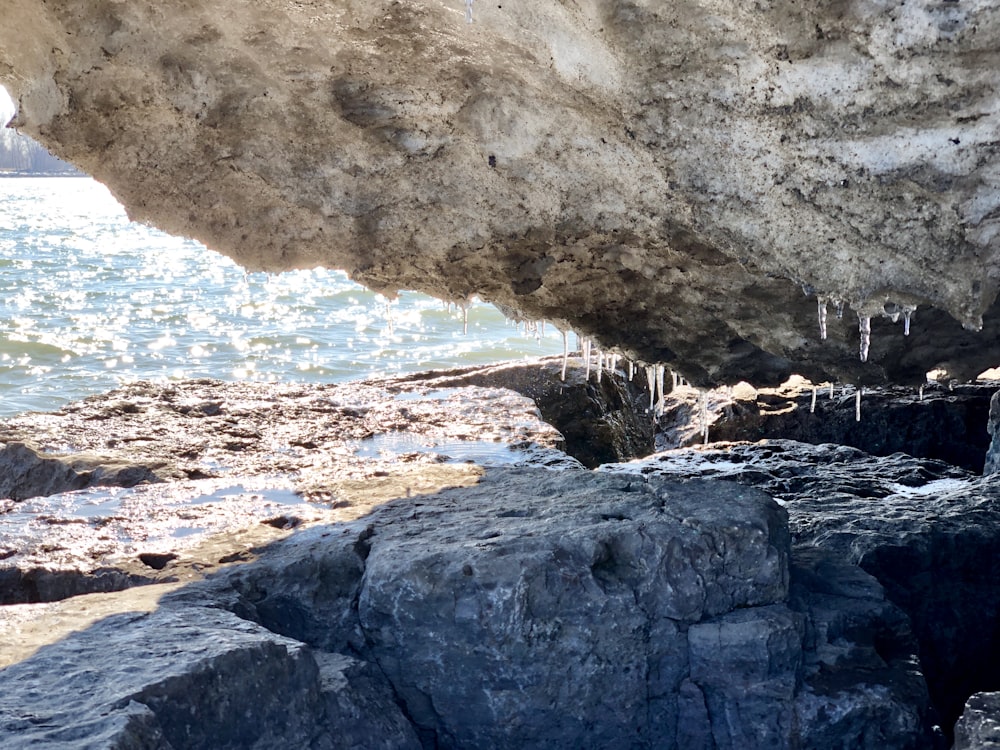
(693, 182)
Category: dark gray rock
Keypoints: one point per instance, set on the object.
(25, 472)
(582, 583)
(534, 609)
(927, 531)
(193, 678)
(862, 683)
(946, 424)
(993, 427)
(979, 727)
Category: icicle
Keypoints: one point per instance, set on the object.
(704, 417)
(613, 365)
(465, 319)
(674, 377)
(831, 390)
(839, 306)
(631, 370)
(651, 382)
(920, 391)
(857, 405)
(821, 303)
(541, 328)
(600, 364)
(865, 326)
(388, 317)
(660, 395)
(468, 11)
(908, 310)
(586, 358)
(565, 355)
(812, 406)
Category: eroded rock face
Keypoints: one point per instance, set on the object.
(665, 176)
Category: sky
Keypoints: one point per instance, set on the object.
(6, 107)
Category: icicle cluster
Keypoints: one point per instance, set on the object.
(890, 310)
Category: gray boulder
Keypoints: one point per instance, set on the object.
(534, 609)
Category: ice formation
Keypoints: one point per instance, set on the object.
(857, 405)
(586, 357)
(812, 405)
(821, 303)
(704, 416)
(468, 11)
(651, 382)
(865, 327)
(661, 396)
(565, 355)
(908, 310)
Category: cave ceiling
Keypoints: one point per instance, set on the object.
(692, 182)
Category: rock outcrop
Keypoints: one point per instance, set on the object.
(670, 178)
(939, 422)
(602, 420)
(927, 531)
(534, 609)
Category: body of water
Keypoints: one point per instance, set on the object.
(90, 300)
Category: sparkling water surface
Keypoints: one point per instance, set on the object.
(91, 300)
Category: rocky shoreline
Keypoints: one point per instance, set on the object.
(397, 564)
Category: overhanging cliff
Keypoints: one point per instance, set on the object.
(683, 179)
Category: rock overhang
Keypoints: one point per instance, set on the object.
(684, 180)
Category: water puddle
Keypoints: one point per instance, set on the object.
(392, 445)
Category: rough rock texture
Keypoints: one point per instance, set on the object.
(198, 678)
(666, 176)
(24, 472)
(941, 422)
(256, 460)
(993, 427)
(929, 532)
(979, 727)
(535, 609)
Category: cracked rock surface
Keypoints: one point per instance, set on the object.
(668, 177)
(533, 609)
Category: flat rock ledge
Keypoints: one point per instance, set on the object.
(533, 609)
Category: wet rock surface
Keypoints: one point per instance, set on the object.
(533, 609)
(246, 463)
